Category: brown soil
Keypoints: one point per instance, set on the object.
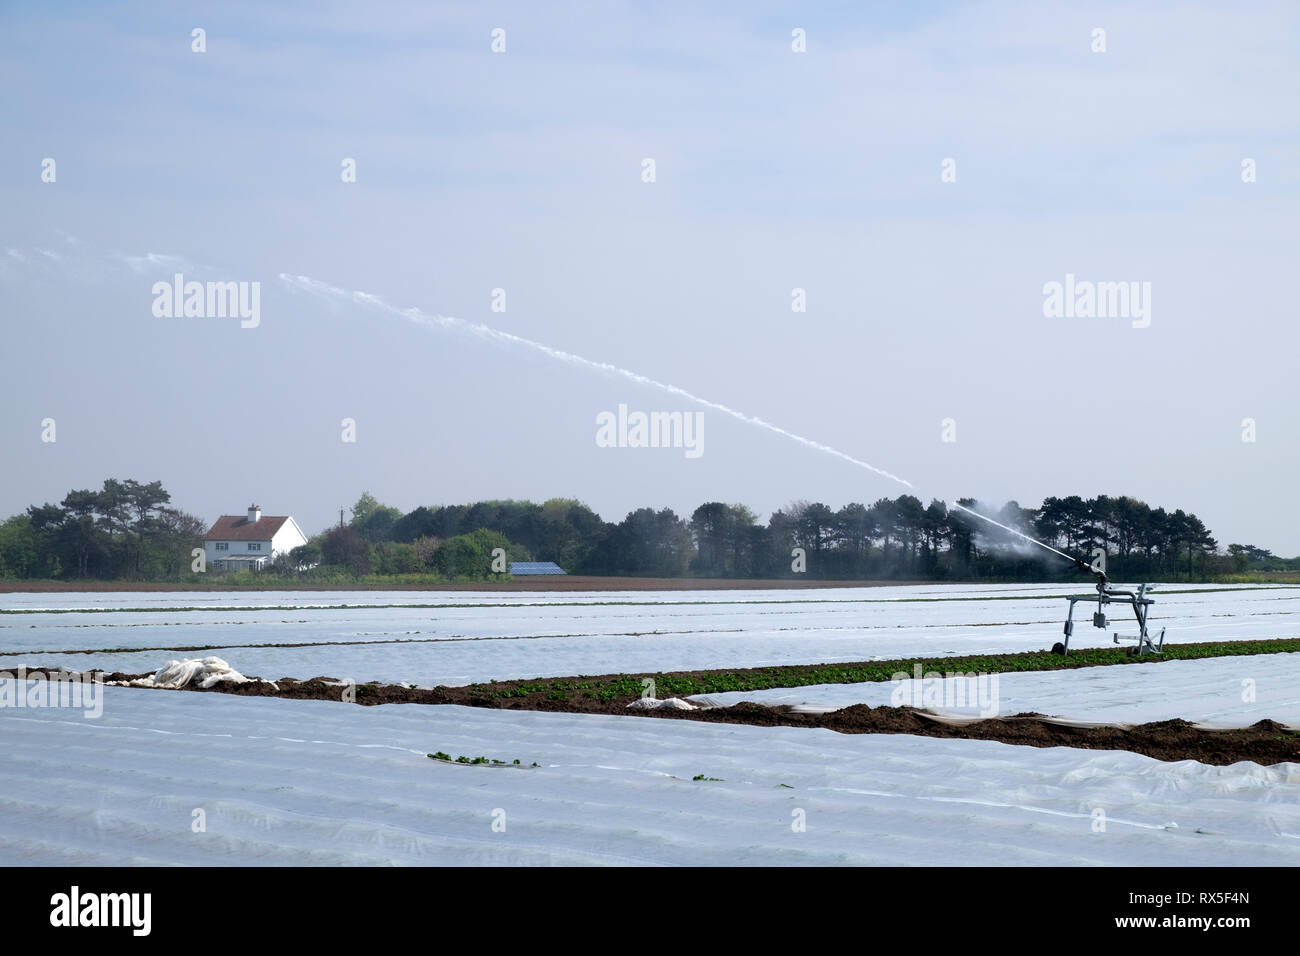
(1266, 742)
(541, 582)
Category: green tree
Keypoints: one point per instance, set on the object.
(1240, 557)
(20, 550)
(470, 555)
(176, 534)
(649, 542)
(723, 539)
(306, 556)
(372, 520)
(344, 548)
(142, 503)
(394, 557)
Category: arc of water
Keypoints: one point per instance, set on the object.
(416, 316)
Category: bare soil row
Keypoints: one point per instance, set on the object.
(541, 582)
(1266, 742)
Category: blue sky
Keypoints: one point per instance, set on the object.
(775, 170)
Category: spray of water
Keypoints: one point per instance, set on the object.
(1018, 534)
(335, 294)
(496, 335)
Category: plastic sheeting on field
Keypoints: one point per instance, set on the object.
(203, 673)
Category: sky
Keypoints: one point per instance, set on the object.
(922, 172)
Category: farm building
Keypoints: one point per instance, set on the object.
(250, 541)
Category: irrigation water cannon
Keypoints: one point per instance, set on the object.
(1110, 595)
(1105, 595)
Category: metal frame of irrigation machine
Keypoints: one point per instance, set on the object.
(1106, 594)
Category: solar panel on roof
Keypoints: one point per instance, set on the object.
(535, 567)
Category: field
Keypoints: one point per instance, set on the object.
(280, 781)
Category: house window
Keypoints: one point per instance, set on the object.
(255, 546)
(223, 545)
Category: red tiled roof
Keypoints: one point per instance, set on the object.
(239, 528)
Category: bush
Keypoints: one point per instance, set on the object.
(345, 548)
(470, 555)
(389, 557)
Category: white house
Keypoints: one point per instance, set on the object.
(251, 541)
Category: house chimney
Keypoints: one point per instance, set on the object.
(254, 513)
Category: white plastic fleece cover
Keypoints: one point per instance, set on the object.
(204, 673)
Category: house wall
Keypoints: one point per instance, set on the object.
(286, 539)
(234, 548)
(289, 536)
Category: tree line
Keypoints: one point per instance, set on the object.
(125, 529)
(128, 530)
